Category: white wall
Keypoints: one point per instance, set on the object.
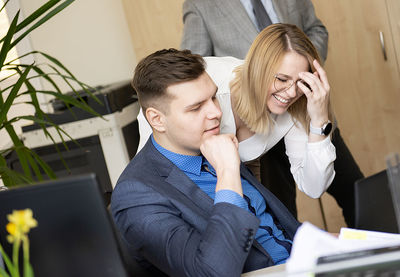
(90, 37)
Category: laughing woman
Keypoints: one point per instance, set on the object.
(278, 91)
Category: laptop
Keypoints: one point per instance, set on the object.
(383, 262)
(75, 235)
(373, 204)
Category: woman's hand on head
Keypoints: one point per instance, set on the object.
(317, 94)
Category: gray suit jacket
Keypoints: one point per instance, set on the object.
(223, 27)
(168, 222)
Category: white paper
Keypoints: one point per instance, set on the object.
(310, 243)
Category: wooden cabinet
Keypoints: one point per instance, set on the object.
(365, 85)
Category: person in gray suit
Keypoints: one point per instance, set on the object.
(228, 28)
(185, 205)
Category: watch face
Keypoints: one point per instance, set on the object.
(327, 129)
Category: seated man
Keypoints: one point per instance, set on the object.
(185, 204)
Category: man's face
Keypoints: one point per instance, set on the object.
(193, 115)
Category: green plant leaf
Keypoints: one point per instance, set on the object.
(15, 256)
(29, 160)
(59, 64)
(29, 155)
(73, 101)
(4, 5)
(13, 93)
(19, 150)
(8, 176)
(49, 15)
(36, 14)
(46, 168)
(41, 73)
(12, 178)
(28, 270)
(7, 261)
(3, 273)
(6, 46)
(36, 68)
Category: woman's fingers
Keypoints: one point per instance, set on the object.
(318, 96)
(312, 81)
(305, 89)
(322, 74)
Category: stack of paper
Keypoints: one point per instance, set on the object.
(310, 243)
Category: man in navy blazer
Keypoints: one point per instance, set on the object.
(185, 205)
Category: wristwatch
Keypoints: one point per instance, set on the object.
(322, 131)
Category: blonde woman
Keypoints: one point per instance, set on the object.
(278, 91)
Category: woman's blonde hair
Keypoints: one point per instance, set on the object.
(252, 80)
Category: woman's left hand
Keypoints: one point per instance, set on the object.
(317, 94)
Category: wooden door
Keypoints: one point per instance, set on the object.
(365, 86)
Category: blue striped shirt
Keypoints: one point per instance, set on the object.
(191, 166)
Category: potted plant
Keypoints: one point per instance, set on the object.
(51, 71)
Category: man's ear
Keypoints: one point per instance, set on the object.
(156, 119)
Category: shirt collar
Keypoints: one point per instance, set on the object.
(189, 164)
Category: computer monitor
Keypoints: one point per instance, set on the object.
(373, 204)
(74, 236)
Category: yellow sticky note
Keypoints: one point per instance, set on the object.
(350, 234)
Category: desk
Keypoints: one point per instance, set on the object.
(272, 271)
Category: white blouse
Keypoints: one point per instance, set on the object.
(311, 163)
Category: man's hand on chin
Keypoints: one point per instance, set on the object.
(221, 151)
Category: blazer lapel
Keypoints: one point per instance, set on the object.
(235, 12)
(177, 179)
(181, 182)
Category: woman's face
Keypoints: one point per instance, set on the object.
(283, 91)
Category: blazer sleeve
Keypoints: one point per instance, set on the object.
(195, 35)
(313, 27)
(157, 230)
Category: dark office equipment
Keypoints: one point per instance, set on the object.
(374, 205)
(75, 235)
(113, 98)
(393, 171)
(103, 147)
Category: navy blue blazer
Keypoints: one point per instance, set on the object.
(168, 222)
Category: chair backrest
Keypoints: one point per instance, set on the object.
(374, 205)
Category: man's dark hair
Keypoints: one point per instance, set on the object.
(156, 72)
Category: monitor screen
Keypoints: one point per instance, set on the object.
(374, 205)
(74, 236)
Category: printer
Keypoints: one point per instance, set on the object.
(103, 145)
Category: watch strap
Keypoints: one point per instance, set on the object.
(322, 131)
